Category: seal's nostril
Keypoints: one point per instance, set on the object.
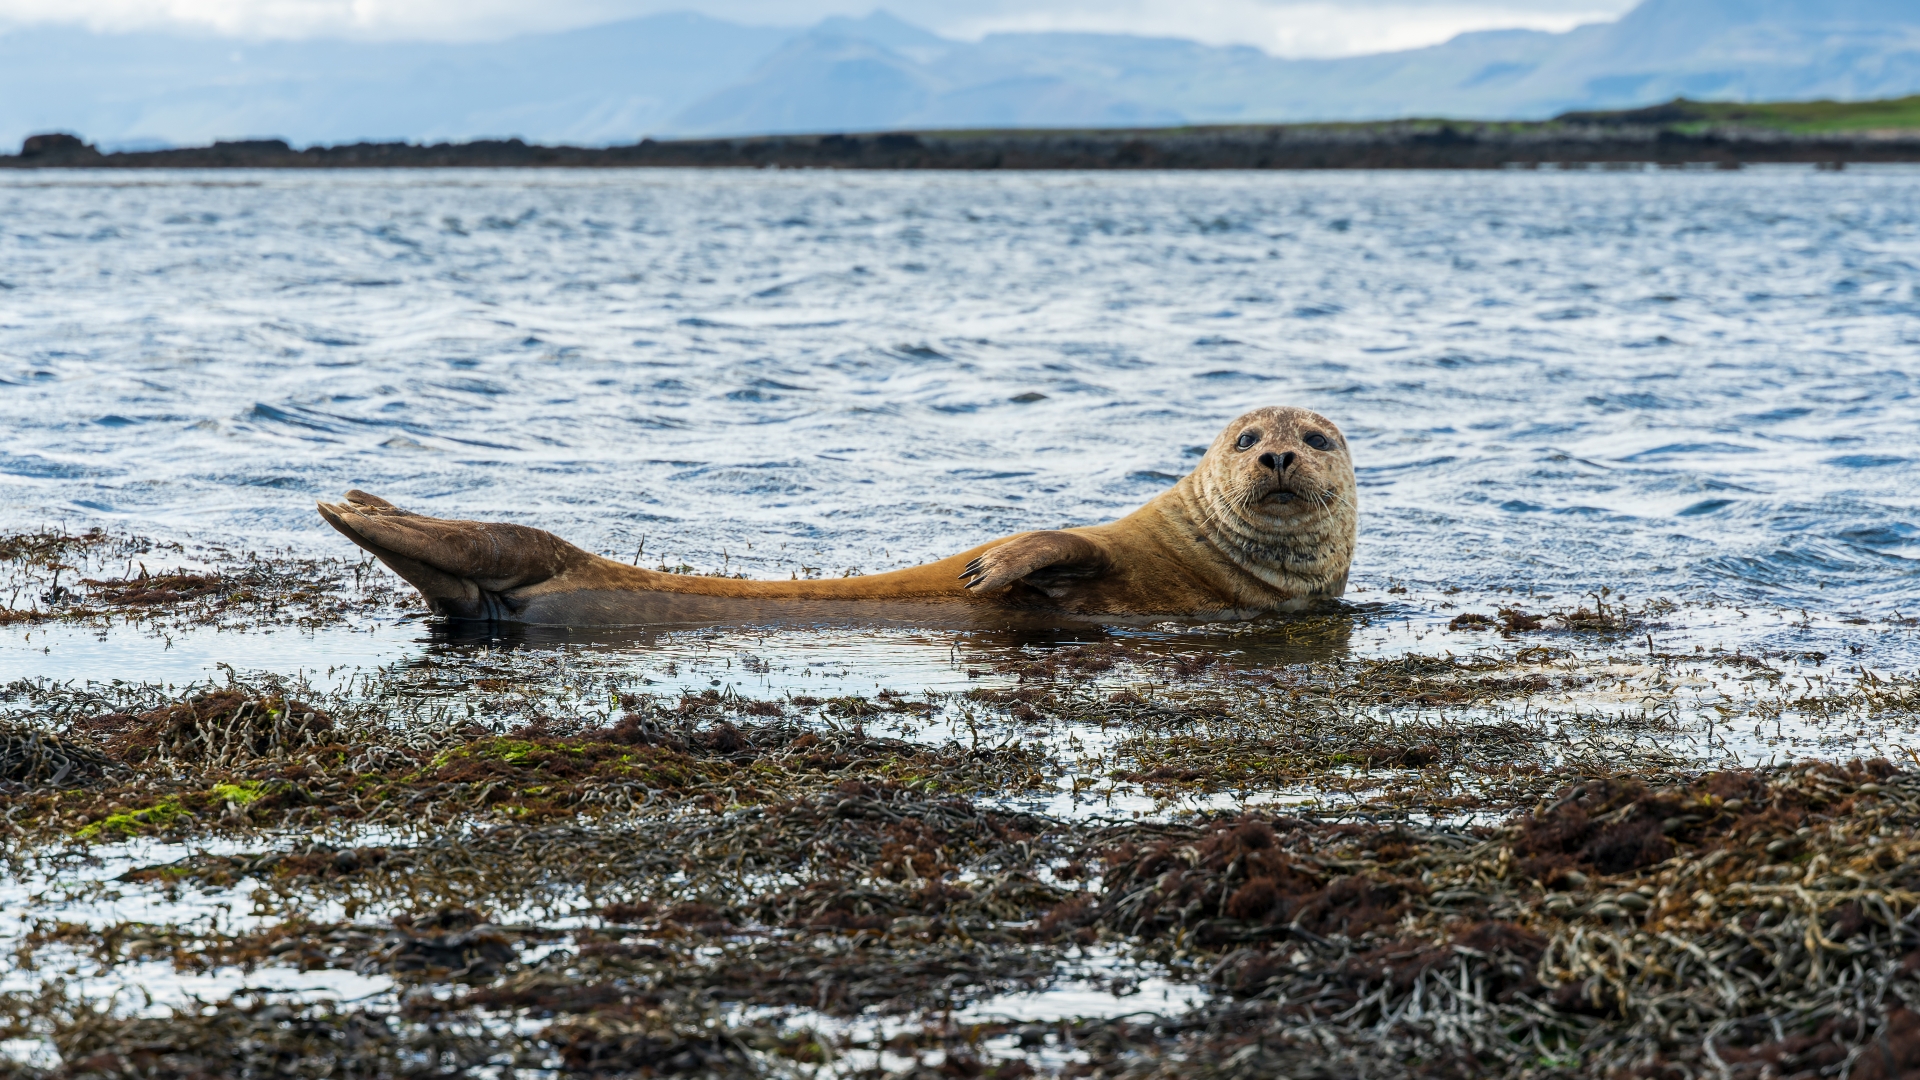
(1267, 462)
(1277, 462)
(1286, 459)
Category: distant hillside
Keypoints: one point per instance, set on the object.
(685, 74)
(1798, 117)
(1678, 134)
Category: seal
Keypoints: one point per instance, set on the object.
(1265, 523)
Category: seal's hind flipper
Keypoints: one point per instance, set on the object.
(444, 593)
(1045, 560)
(461, 567)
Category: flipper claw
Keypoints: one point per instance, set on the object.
(1051, 554)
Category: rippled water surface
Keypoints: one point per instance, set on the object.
(1690, 385)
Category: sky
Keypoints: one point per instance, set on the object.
(1292, 28)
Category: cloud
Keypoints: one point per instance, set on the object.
(1294, 28)
(1282, 27)
(437, 20)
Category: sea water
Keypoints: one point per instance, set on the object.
(1691, 385)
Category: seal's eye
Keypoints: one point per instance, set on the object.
(1247, 438)
(1317, 441)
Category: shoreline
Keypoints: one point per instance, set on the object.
(1411, 144)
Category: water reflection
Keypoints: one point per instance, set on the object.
(1323, 635)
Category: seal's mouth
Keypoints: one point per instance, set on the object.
(1290, 494)
(1281, 494)
(1271, 490)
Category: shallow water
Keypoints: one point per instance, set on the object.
(1682, 384)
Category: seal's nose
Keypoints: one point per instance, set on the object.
(1277, 462)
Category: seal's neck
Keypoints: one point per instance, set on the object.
(1301, 555)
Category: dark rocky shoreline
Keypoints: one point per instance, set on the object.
(1391, 145)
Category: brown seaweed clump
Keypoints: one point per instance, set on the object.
(30, 757)
(147, 590)
(1754, 925)
(1238, 882)
(218, 728)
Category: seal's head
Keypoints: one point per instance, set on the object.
(1276, 490)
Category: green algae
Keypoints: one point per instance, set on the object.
(163, 816)
(244, 793)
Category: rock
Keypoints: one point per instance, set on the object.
(56, 144)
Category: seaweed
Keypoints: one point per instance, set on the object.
(1770, 929)
(1524, 861)
(99, 579)
(32, 758)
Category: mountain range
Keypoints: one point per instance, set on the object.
(685, 74)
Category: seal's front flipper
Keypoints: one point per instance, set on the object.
(1048, 561)
(465, 569)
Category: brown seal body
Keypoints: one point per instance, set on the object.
(1265, 523)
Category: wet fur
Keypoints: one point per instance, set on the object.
(1235, 538)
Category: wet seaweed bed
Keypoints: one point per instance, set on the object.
(1383, 841)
